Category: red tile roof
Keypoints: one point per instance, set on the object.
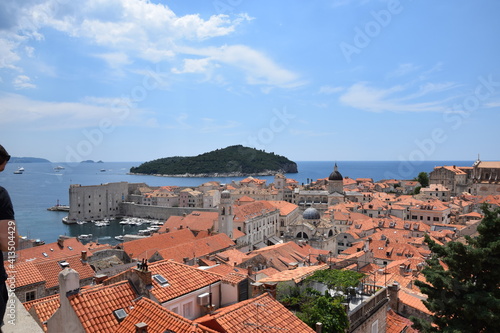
(50, 270)
(42, 309)
(71, 247)
(158, 319)
(146, 247)
(397, 324)
(178, 283)
(284, 207)
(259, 313)
(413, 301)
(244, 212)
(94, 307)
(26, 273)
(296, 275)
(195, 221)
(197, 248)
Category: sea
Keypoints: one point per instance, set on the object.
(41, 186)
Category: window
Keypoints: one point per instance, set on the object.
(375, 327)
(187, 310)
(30, 296)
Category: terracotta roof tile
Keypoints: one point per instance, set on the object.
(197, 248)
(26, 273)
(413, 301)
(95, 306)
(296, 275)
(397, 324)
(43, 308)
(255, 314)
(284, 207)
(195, 221)
(178, 284)
(71, 247)
(146, 247)
(158, 319)
(244, 212)
(50, 269)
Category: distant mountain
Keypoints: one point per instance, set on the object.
(28, 160)
(87, 161)
(231, 161)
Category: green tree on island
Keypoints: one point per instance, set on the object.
(423, 179)
(463, 282)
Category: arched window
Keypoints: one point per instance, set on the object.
(302, 235)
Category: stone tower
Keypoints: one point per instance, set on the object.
(226, 214)
(335, 181)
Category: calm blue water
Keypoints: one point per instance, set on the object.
(40, 187)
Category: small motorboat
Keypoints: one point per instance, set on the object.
(85, 237)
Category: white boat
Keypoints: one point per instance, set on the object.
(19, 171)
(59, 167)
(101, 223)
(85, 237)
(119, 237)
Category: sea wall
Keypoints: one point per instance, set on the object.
(157, 212)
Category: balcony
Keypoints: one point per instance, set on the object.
(362, 307)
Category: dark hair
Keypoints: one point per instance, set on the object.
(4, 156)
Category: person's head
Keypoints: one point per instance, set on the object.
(4, 158)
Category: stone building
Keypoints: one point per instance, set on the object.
(312, 228)
(96, 202)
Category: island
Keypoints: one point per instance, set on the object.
(28, 160)
(231, 161)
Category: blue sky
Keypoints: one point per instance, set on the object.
(130, 80)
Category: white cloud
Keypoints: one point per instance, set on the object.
(398, 98)
(8, 52)
(403, 69)
(329, 90)
(115, 59)
(194, 66)
(256, 66)
(23, 82)
(37, 114)
(139, 28)
(134, 29)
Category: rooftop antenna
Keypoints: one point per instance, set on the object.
(259, 327)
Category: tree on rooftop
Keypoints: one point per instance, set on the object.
(423, 179)
(311, 306)
(463, 281)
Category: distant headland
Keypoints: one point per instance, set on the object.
(231, 161)
(28, 160)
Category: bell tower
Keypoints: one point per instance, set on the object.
(226, 214)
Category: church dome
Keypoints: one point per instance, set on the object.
(335, 175)
(311, 214)
(225, 194)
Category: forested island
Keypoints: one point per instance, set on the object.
(227, 162)
(14, 159)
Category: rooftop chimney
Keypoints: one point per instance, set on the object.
(394, 296)
(319, 327)
(141, 328)
(60, 241)
(84, 256)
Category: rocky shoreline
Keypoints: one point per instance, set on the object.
(214, 174)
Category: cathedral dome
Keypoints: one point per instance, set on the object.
(335, 175)
(311, 214)
(225, 194)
